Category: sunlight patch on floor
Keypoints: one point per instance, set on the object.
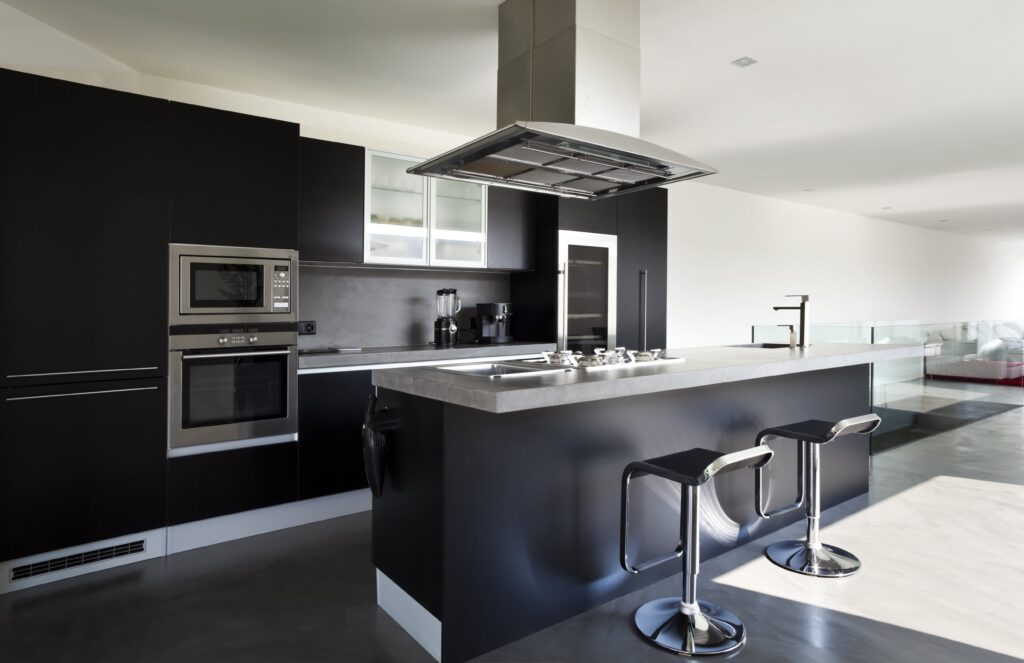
(945, 558)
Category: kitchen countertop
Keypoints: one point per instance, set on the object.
(703, 366)
(417, 353)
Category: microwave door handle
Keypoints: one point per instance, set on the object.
(221, 355)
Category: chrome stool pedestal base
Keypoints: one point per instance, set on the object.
(714, 631)
(824, 562)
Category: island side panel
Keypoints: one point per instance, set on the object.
(408, 517)
(532, 498)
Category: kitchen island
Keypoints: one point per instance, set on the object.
(499, 513)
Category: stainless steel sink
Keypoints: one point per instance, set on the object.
(496, 370)
(766, 346)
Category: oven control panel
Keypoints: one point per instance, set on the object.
(240, 339)
(281, 289)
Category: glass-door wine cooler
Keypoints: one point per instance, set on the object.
(586, 290)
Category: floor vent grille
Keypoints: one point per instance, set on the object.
(78, 559)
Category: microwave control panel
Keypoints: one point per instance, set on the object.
(281, 289)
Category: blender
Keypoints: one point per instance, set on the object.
(446, 328)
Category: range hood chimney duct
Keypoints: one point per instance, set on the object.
(568, 107)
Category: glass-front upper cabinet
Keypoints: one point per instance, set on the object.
(458, 224)
(396, 211)
(415, 220)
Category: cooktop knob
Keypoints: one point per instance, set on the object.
(222, 340)
(253, 339)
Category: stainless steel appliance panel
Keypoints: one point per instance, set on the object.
(232, 285)
(237, 393)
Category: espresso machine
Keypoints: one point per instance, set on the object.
(446, 327)
(493, 322)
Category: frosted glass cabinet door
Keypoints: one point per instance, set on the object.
(396, 197)
(396, 215)
(458, 229)
(459, 206)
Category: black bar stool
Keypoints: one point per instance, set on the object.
(810, 557)
(685, 625)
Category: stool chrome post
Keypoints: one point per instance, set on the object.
(685, 624)
(811, 556)
(813, 455)
(691, 562)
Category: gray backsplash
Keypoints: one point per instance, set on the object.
(373, 306)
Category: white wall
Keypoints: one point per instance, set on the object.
(733, 255)
(29, 45)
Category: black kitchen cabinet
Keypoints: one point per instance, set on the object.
(591, 216)
(642, 245)
(234, 178)
(511, 229)
(80, 463)
(332, 189)
(83, 232)
(331, 407)
(216, 484)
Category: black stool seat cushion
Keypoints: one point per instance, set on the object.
(812, 430)
(685, 467)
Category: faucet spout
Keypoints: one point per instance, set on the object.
(804, 341)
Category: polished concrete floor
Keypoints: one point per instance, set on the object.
(941, 535)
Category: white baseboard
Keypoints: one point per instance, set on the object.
(179, 538)
(417, 621)
(211, 531)
(155, 546)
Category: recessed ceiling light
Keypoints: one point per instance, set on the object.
(943, 221)
(744, 61)
(809, 189)
(886, 208)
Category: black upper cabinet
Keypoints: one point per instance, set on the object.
(83, 231)
(332, 189)
(234, 178)
(642, 245)
(224, 482)
(511, 229)
(331, 409)
(592, 216)
(80, 463)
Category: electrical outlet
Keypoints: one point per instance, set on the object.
(307, 327)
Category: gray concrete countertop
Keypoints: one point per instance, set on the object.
(417, 353)
(703, 366)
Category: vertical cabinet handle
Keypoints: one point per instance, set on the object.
(643, 310)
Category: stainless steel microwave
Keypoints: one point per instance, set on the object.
(232, 285)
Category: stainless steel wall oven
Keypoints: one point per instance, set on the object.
(233, 369)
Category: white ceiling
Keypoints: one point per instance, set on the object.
(915, 105)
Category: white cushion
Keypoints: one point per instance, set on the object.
(993, 350)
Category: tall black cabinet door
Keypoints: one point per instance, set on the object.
(332, 188)
(331, 409)
(80, 463)
(643, 245)
(512, 237)
(234, 178)
(83, 232)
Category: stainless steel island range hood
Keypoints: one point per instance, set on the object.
(565, 159)
(568, 105)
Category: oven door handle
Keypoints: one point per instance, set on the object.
(222, 355)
